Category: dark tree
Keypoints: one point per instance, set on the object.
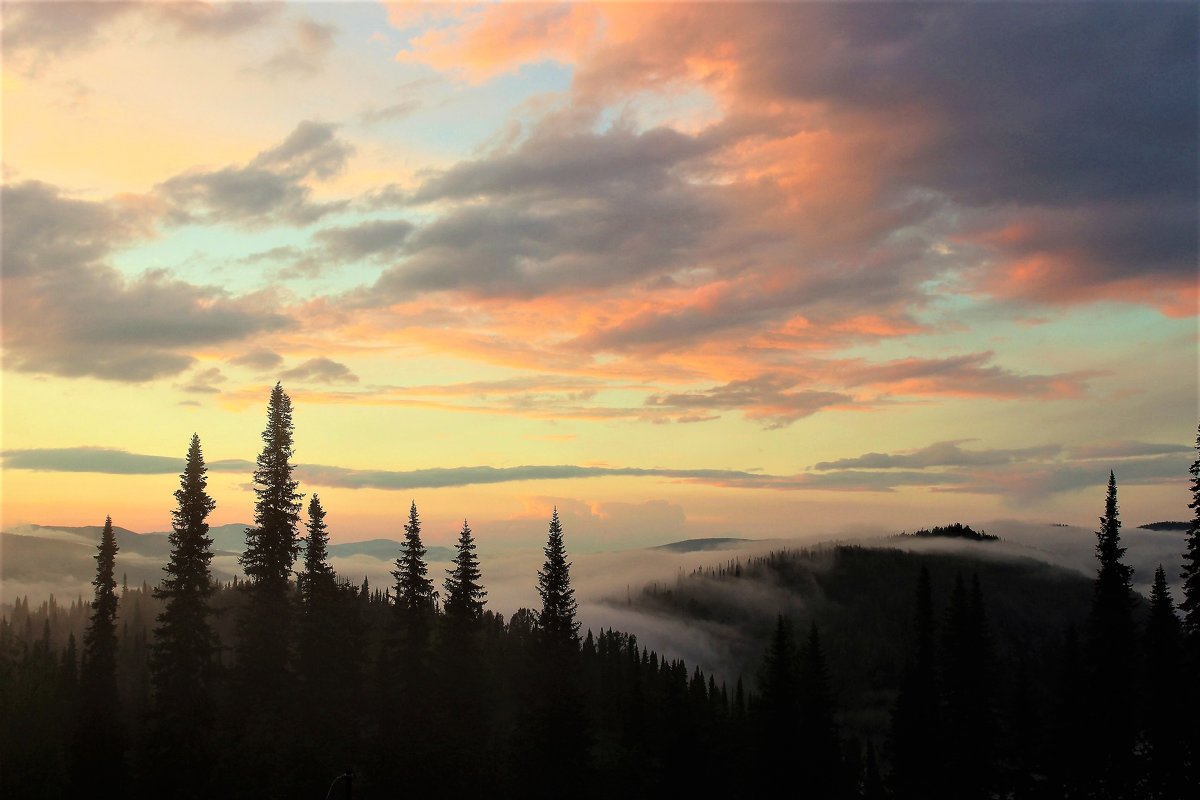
(414, 589)
(463, 724)
(1190, 604)
(1112, 641)
(271, 548)
(263, 703)
(316, 583)
(556, 622)
(405, 669)
(182, 658)
(327, 658)
(100, 737)
(464, 594)
(1166, 732)
(556, 723)
(916, 722)
(967, 679)
(820, 747)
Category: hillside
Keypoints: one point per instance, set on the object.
(862, 601)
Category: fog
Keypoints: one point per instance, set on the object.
(605, 583)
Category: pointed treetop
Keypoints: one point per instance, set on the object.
(557, 618)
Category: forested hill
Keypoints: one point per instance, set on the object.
(862, 600)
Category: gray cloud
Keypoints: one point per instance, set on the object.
(373, 116)
(304, 52)
(270, 188)
(216, 20)
(258, 359)
(35, 33)
(969, 374)
(204, 381)
(1108, 148)
(577, 164)
(772, 399)
(68, 312)
(941, 454)
(374, 239)
(1127, 449)
(320, 370)
(561, 211)
(107, 460)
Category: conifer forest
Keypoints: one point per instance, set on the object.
(922, 676)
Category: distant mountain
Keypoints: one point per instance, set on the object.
(697, 545)
(60, 558)
(386, 550)
(151, 545)
(1165, 526)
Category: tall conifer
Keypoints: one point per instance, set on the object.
(464, 594)
(1190, 604)
(182, 659)
(557, 622)
(100, 737)
(264, 699)
(1112, 642)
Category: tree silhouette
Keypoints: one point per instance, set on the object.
(1167, 731)
(271, 549)
(406, 670)
(182, 657)
(556, 622)
(967, 677)
(1190, 604)
(265, 682)
(556, 722)
(819, 745)
(414, 589)
(100, 736)
(1112, 641)
(916, 722)
(327, 658)
(464, 594)
(463, 723)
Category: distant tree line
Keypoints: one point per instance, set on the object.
(296, 683)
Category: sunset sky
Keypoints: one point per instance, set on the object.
(681, 270)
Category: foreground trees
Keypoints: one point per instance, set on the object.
(183, 655)
(100, 739)
(419, 699)
(264, 681)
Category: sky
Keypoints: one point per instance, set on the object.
(680, 270)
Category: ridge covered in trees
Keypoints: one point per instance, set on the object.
(858, 673)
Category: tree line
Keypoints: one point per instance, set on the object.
(297, 683)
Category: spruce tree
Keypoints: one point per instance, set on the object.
(327, 658)
(556, 622)
(464, 724)
(464, 594)
(263, 704)
(819, 744)
(100, 737)
(1190, 604)
(182, 658)
(271, 549)
(316, 583)
(968, 713)
(557, 724)
(916, 721)
(406, 674)
(414, 589)
(1112, 640)
(1166, 732)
